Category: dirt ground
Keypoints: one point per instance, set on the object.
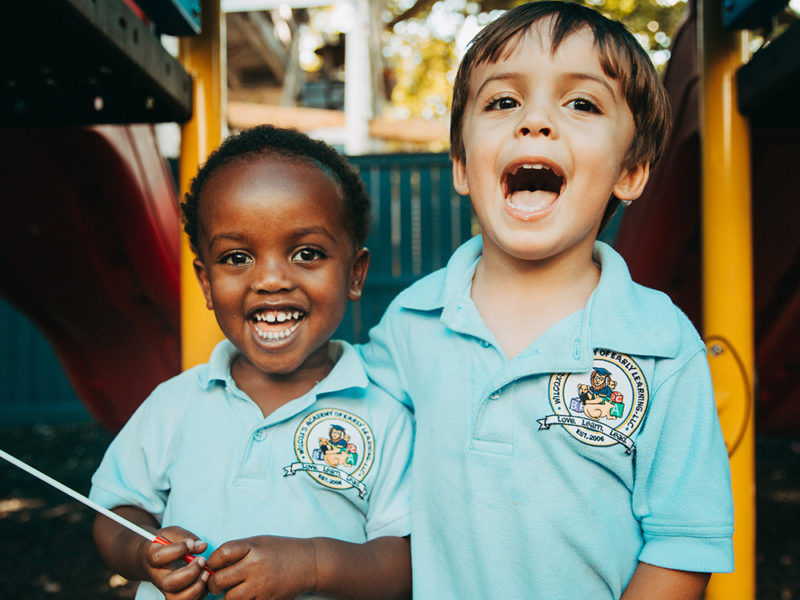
(47, 551)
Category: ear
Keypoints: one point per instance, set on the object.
(205, 284)
(358, 273)
(460, 176)
(631, 182)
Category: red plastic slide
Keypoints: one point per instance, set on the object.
(89, 245)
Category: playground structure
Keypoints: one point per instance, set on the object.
(92, 250)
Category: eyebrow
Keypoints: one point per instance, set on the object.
(572, 76)
(233, 236)
(497, 77)
(313, 230)
(582, 76)
(298, 234)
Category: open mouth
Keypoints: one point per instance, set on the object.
(530, 187)
(276, 325)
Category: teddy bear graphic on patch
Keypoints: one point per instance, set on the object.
(336, 449)
(598, 400)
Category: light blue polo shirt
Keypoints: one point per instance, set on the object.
(198, 453)
(528, 480)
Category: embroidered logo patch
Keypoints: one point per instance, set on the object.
(602, 407)
(334, 447)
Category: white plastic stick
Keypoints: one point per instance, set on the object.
(79, 497)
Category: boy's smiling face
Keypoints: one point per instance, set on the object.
(278, 263)
(545, 135)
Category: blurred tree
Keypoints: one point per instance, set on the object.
(424, 39)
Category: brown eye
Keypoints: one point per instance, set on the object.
(235, 259)
(583, 105)
(308, 255)
(504, 103)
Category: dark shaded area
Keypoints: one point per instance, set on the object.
(77, 63)
(45, 535)
(47, 550)
(660, 234)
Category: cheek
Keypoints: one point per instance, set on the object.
(329, 288)
(224, 291)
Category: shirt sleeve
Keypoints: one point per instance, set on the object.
(134, 470)
(682, 490)
(382, 356)
(390, 499)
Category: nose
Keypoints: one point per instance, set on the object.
(270, 276)
(535, 121)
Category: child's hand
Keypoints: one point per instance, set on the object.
(263, 567)
(177, 579)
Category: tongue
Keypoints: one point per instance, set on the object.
(532, 201)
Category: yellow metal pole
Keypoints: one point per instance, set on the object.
(728, 279)
(203, 57)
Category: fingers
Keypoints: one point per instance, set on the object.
(224, 579)
(169, 569)
(178, 534)
(225, 563)
(181, 543)
(161, 556)
(228, 554)
(185, 583)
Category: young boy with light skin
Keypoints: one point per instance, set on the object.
(557, 116)
(224, 452)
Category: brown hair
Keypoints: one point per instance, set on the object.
(621, 56)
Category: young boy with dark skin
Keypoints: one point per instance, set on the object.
(228, 453)
(564, 490)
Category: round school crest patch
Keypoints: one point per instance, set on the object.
(334, 447)
(602, 407)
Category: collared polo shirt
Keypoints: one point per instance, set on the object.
(198, 453)
(529, 482)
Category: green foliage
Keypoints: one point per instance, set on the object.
(421, 41)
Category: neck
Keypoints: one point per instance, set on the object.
(270, 391)
(519, 300)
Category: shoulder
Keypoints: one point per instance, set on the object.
(424, 294)
(631, 317)
(167, 404)
(351, 387)
(384, 404)
(435, 290)
(177, 390)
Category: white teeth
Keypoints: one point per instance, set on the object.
(273, 317)
(536, 166)
(277, 335)
(278, 317)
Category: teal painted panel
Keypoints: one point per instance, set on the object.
(36, 388)
(417, 221)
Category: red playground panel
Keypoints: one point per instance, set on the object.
(89, 251)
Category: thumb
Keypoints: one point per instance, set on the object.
(227, 554)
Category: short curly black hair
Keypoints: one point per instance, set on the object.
(290, 144)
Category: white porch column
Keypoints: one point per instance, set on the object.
(358, 81)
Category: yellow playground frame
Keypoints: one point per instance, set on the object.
(726, 212)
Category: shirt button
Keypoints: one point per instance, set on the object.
(494, 396)
(484, 343)
(259, 435)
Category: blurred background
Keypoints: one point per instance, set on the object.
(107, 107)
